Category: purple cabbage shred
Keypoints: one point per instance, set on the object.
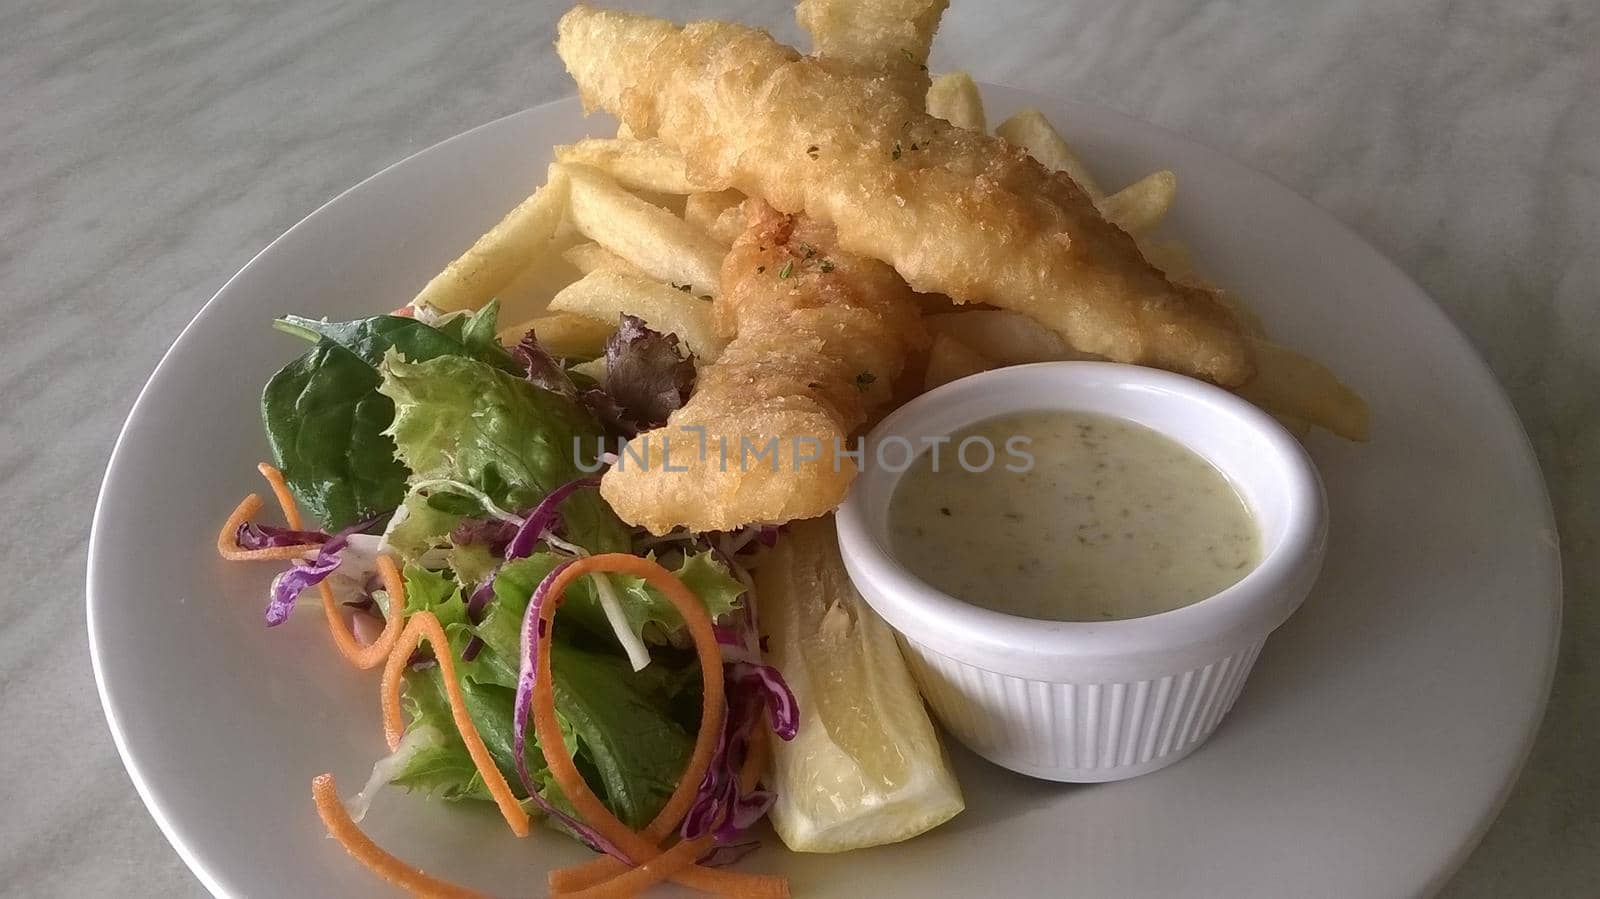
(541, 521)
(304, 573)
(269, 536)
(725, 854)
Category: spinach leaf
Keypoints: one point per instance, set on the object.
(372, 338)
(325, 420)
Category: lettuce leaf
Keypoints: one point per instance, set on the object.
(469, 420)
(480, 335)
(461, 419)
(472, 562)
(706, 578)
(419, 525)
(629, 749)
(326, 421)
(431, 591)
(624, 733)
(647, 376)
(373, 338)
(647, 610)
(446, 769)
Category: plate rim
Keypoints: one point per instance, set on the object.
(1443, 326)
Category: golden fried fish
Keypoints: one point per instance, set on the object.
(886, 38)
(819, 338)
(953, 211)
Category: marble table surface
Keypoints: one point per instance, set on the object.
(149, 149)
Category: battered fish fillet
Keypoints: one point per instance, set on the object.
(954, 211)
(820, 337)
(886, 38)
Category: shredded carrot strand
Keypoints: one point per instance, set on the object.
(559, 758)
(228, 543)
(424, 625)
(585, 874)
(227, 538)
(361, 847)
(634, 881)
(568, 882)
(394, 722)
(573, 786)
(375, 653)
(280, 489)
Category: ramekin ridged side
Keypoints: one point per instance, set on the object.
(1082, 732)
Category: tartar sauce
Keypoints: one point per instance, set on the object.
(1111, 520)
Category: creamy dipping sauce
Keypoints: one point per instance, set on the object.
(1113, 520)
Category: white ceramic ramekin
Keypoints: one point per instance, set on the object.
(1092, 701)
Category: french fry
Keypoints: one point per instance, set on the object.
(1172, 257)
(955, 99)
(498, 257)
(718, 214)
(625, 133)
(647, 165)
(566, 335)
(529, 293)
(659, 243)
(949, 359)
(589, 256)
(1031, 131)
(1296, 390)
(672, 203)
(605, 294)
(1003, 336)
(1289, 384)
(1299, 427)
(1139, 207)
(594, 368)
(1248, 320)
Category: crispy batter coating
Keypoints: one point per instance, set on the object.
(819, 337)
(954, 211)
(886, 38)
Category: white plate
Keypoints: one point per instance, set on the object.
(1376, 740)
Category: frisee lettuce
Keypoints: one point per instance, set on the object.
(460, 419)
(649, 613)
